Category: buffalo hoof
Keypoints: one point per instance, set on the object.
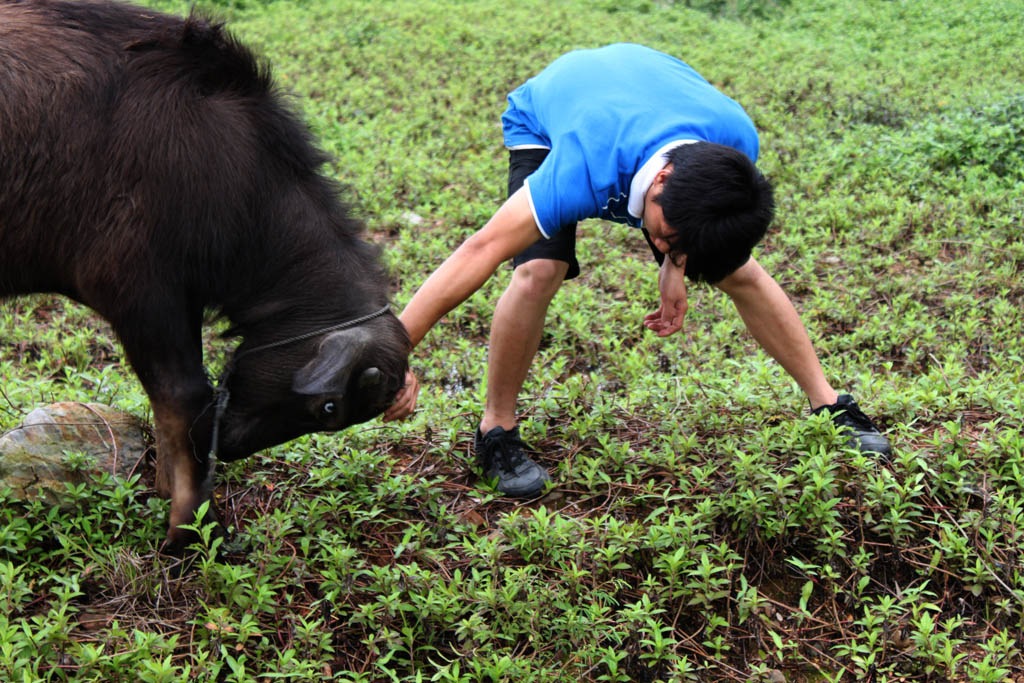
(184, 547)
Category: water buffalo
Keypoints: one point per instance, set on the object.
(150, 170)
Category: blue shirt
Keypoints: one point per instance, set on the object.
(605, 113)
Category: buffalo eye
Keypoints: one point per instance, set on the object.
(329, 408)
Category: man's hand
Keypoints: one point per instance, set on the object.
(405, 402)
(507, 233)
(668, 319)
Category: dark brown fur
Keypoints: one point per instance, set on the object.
(149, 170)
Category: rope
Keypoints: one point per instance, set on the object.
(340, 326)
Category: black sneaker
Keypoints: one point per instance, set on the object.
(500, 455)
(846, 415)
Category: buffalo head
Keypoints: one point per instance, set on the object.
(323, 384)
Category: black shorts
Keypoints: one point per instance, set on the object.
(560, 247)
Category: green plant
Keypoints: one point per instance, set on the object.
(702, 526)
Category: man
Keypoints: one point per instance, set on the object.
(627, 134)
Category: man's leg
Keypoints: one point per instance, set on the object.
(775, 324)
(515, 336)
(773, 321)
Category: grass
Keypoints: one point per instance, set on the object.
(703, 527)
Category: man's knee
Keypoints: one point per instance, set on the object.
(539, 278)
(746, 277)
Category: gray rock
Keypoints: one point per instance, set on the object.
(34, 457)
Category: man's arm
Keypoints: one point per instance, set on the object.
(507, 233)
(774, 323)
(668, 319)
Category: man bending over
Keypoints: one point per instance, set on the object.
(632, 135)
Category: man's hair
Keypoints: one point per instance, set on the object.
(719, 205)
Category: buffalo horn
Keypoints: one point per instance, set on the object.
(370, 378)
(330, 369)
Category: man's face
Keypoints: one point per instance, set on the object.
(654, 218)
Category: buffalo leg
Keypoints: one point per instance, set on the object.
(168, 361)
(182, 469)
